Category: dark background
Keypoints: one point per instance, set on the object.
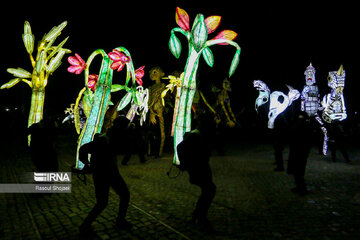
(278, 42)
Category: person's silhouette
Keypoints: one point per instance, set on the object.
(194, 155)
(105, 175)
(42, 146)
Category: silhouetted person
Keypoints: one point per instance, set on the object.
(42, 146)
(279, 136)
(134, 143)
(194, 155)
(300, 145)
(337, 140)
(105, 175)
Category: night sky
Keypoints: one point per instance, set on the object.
(278, 42)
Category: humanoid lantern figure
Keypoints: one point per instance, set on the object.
(310, 101)
(155, 103)
(333, 103)
(335, 112)
(222, 99)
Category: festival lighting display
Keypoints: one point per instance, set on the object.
(95, 96)
(278, 100)
(199, 45)
(333, 103)
(47, 60)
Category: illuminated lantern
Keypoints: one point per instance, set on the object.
(333, 103)
(310, 101)
(199, 45)
(222, 99)
(95, 96)
(310, 97)
(47, 60)
(278, 100)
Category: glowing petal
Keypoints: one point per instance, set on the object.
(212, 23)
(91, 84)
(76, 61)
(226, 35)
(115, 55)
(139, 81)
(175, 46)
(139, 73)
(182, 19)
(117, 65)
(74, 69)
(199, 32)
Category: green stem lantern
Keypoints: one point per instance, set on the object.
(199, 45)
(47, 60)
(96, 94)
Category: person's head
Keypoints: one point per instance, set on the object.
(226, 84)
(156, 73)
(205, 123)
(100, 139)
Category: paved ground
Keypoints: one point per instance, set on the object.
(252, 201)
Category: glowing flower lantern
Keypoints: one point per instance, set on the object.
(92, 81)
(47, 60)
(119, 59)
(199, 45)
(95, 96)
(139, 74)
(77, 64)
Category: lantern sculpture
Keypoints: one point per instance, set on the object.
(278, 100)
(310, 101)
(333, 102)
(95, 96)
(310, 97)
(47, 60)
(222, 99)
(199, 45)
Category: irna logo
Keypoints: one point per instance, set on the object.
(52, 176)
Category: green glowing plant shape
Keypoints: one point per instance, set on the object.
(96, 99)
(47, 60)
(199, 45)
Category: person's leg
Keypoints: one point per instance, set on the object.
(162, 134)
(121, 189)
(208, 190)
(102, 195)
(279, 161)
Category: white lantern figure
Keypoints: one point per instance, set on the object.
(310, 97)
(333, 103)
(310, 101)
(278, 100)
